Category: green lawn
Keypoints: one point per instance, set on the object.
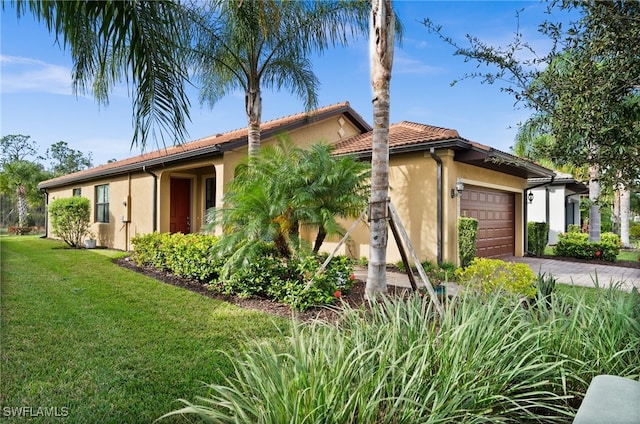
(104, 344)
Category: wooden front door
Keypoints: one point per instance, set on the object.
(180, 216)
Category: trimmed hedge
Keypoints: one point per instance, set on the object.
(194, 256)
(537, 237)
(70, 219)
(577, 245)
(185, 255)
(467, 237)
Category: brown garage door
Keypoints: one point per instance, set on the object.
(494, 211)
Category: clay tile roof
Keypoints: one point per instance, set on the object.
(208, 145)
(401, 134)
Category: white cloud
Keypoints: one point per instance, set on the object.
(404, 64)
(23, 74)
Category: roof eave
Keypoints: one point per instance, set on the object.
(504, 162)
(138, 166)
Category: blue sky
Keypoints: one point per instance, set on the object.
(37, 98)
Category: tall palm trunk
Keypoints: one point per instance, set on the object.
(594, 208)
(625, 207)
(253, 104)
(21, 194)
(381, 38)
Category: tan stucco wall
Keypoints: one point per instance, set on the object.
(413, 192)
(130, 188)
(137, 188)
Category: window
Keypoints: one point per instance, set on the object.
(102, 203)
(210, 193)
(77, 192)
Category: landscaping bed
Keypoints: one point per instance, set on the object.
(354, 297)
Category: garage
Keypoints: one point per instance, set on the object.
(495, 212)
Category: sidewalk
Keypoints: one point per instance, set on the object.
(565, 272)
(584, 274)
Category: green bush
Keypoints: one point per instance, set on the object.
(491, 275)
(577, 245)
(150, 249)
(574, 228)
(634, 231)
(467, 237)
(185, 255)
(292, 281)
(267, 275)
(70, 219)
(192, 256)
(537, 237)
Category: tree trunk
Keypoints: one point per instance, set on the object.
(616, 211)
(594, 208)
(322, 234)
(253, 105)
(625, 214)
(21, 194)
(381, 39)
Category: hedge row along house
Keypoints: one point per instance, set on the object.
(435, 177)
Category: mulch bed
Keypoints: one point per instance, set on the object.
(354, 298)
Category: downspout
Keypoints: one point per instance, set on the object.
(526, 204)
(46, 212)
(155, 197)
(435, 157)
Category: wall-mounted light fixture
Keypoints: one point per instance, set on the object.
(530, 197)
(458, 190)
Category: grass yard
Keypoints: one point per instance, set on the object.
(104, 344)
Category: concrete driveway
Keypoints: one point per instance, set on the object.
(584, 274)
(565, 272)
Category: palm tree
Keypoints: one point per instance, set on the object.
(251, 45)
(140, 42)
(381, 39)
(332, 187)
(21, 178)
(232, 44)
(282, 189)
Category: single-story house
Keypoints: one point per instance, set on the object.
(555, 200)
(435, 177)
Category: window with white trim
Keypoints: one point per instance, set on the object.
(102, 203)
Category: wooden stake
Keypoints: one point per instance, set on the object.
(395, 219)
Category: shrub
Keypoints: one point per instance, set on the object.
(574, 228)
(70, 218)
(150, 249)
(537, 237)
(634, 231)
(185, 255)
(577, 245)
(292, 281)
(192, 256)
(491, 275)
(467, 237)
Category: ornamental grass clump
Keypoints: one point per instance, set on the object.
(488, 359)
